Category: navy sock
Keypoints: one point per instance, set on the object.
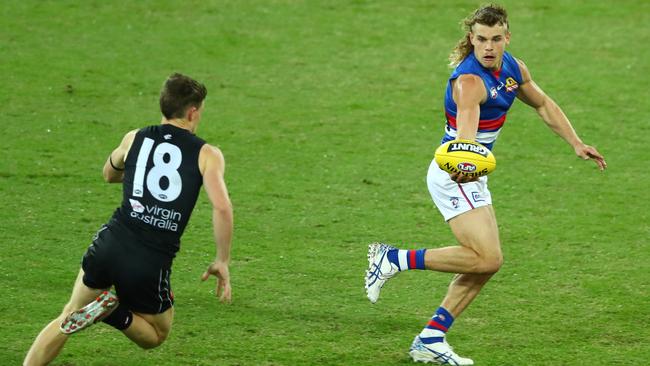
(120, 318)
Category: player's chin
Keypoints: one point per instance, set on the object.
(489, 62)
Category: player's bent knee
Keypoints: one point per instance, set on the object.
(492, 265)
(149, 345)
(152, 344)
(162, 337)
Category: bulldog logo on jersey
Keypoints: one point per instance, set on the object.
(493, 93)
(511, 84)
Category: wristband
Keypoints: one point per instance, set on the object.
(110, 160)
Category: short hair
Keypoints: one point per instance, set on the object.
(179, 93)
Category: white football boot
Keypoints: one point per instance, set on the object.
(90, 314)
(439, 353)
(380, 270)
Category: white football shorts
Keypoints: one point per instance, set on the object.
(453, 199)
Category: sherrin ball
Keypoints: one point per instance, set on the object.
(465, 156)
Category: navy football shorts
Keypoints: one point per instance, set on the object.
(140, 274)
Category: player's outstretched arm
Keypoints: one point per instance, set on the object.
(114, 166)
(531, 94)
(212, 166)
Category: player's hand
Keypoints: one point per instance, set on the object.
(220, 270)
(462, 178)
(587, 152)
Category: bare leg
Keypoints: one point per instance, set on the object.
(478, 234)
(150, 330)
(479, 251)
(462, 291)
(50, 340)
(475, 260)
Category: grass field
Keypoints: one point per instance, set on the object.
(328, 113)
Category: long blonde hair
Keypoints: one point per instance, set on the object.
(489, 15)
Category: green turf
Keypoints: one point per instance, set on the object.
(328, 113)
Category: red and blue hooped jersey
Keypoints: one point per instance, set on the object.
(501, 87)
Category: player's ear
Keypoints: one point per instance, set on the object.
(470, 38)
(191, 113)
(507, 37)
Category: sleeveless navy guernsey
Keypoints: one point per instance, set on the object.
(160, 187)
(501, 87)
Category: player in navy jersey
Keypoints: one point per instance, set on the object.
(162, 169)
(480, 91)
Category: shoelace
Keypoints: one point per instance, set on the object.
(375, 271)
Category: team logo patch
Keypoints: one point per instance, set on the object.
(477, 197)
(511, 84)
(493, 93)
(136, 205)
(455, 202)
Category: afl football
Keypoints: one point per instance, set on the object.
(465, 156)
